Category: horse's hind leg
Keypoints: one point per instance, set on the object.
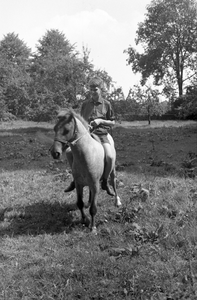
(113, 183)
(80, 205)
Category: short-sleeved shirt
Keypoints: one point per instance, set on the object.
(101, 109)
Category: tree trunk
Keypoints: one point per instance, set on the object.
(149, 117)
(180, 85)
(179, 72)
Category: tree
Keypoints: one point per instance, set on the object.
(117, 94)
(52, 65)
(3, 109)
(148, 99)
(58, 74)
(168, 37)
(14, 77)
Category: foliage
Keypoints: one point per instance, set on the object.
(168, 37)
(141, 103)
(2, 104)
(60, 76)
(148, 99)
(14, 78)
(56, 71)
(186, 106)
(116, 95)
(42, 110)
(34, 85)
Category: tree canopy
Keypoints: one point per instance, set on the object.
(14, 77)
(168, 38)
(35, 85)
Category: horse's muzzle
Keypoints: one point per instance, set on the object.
(55, 151)
(55, 155)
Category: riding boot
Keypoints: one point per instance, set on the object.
(105, 187)
(70, 188)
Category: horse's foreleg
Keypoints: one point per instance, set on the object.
(93, 206)
(89, 201)
(113, 183)
(80, 204)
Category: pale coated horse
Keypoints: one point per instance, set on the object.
(88, 159)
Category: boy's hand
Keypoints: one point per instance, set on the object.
(95, 123)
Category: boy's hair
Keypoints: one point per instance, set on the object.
(97, 82)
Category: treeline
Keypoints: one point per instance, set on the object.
(33, 86)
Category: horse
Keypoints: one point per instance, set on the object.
(88, 160)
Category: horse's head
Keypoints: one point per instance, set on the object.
(64, 133)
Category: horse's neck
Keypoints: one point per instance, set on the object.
(80, 127)
(81, 137)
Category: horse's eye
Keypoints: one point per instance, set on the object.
(65, 131)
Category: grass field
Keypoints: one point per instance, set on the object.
(146, 249)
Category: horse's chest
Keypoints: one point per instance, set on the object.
(81, 177)
(86, 170)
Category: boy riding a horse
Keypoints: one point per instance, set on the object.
(99, 114)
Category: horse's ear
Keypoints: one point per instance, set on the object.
(67, 115)
(63, 114)
(70, 116)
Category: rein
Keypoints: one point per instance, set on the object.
(75, 141)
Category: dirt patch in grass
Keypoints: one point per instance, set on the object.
(161, 148)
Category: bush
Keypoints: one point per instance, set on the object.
(7, 117)
(42, 113)
(186, 106)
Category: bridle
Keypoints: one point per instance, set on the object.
(71, 142)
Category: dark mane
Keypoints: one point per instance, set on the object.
(80, 118)
(71, 112)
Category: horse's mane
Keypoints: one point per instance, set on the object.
(80, 118)
(74, 114)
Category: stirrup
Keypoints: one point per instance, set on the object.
(70, 188)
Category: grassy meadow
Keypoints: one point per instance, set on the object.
(146, 249)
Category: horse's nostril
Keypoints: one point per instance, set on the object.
(55, 155)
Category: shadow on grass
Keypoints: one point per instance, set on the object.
(39, 218)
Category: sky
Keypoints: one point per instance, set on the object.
(105, 27)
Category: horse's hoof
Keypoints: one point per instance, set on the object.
(106, 188)
(110, 192)
(70, 188)
(94, 230)
(85, 221)
(118, 202)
